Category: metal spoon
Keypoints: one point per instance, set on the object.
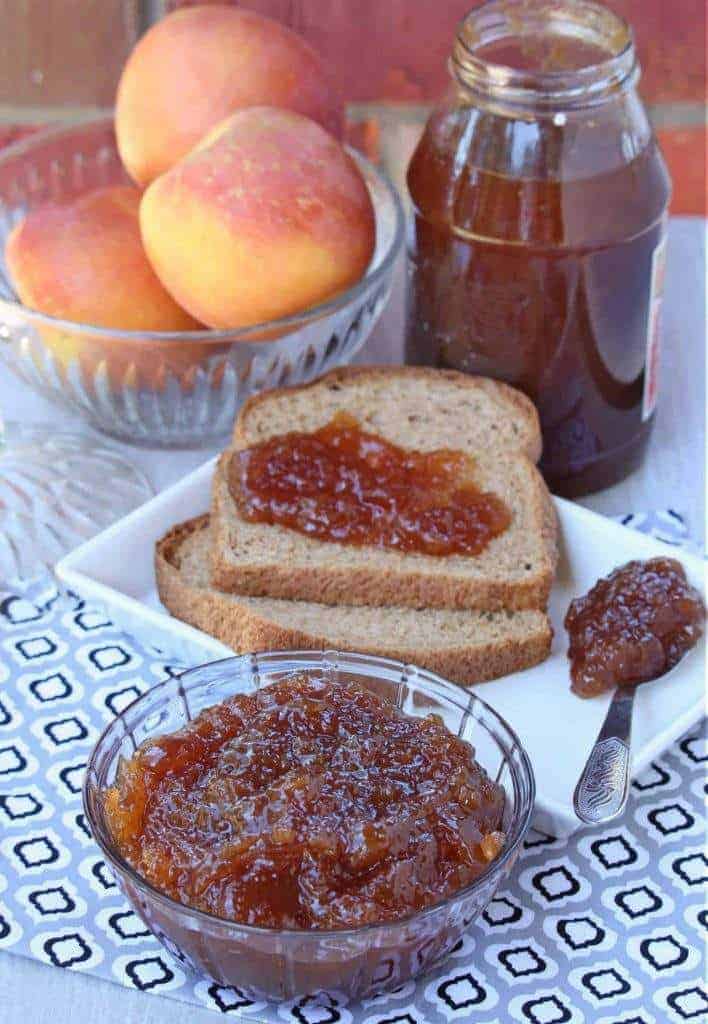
(603, 787)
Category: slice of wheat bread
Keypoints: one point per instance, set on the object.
(420, 410)
(514, 571)
(465, 646)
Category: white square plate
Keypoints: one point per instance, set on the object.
(557, 728)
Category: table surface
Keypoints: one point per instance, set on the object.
(673, 475)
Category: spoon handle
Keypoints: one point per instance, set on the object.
(601, 792)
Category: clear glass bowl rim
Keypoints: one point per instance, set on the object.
(288, 323)
(344, 660)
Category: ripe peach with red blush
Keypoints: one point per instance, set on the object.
(266, 217)
(200, 64)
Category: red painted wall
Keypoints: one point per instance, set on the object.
(397, 49)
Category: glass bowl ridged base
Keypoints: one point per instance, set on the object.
(58, 489)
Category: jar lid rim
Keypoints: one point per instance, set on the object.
(497, 20)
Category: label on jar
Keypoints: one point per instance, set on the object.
(656, 298)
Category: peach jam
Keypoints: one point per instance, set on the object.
(341, 483)
(634, 625)
(307, 804)
(537, 256)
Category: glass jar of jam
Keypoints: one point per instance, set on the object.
(539, 240)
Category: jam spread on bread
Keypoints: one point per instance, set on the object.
(633, 626)
(341, 483)
(307, 804)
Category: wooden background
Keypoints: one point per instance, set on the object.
(61, 58)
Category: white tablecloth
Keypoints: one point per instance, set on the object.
(672, 475)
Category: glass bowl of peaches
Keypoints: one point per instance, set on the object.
(80, 300)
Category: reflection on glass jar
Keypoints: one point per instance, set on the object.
(537, 253)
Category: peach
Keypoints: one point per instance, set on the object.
(265, 218)
(200, 64)
(84, 261)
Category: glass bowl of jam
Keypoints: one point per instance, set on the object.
(538, 246)
(414, 795)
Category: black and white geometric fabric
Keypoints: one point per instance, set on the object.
(607, 927)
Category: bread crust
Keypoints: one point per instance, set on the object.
(240, 627)
(523, 406)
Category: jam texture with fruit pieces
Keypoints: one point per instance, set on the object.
(632, 626)
(308, 804)
(340, 483)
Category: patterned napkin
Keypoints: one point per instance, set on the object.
(605, 927)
